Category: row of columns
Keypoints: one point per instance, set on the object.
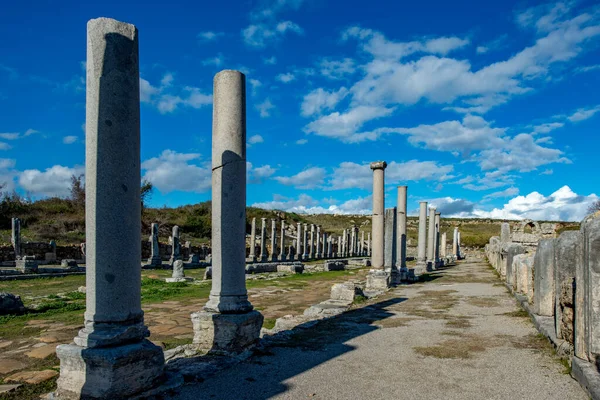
(317, 244)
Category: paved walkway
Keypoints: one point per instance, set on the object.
(459, 335)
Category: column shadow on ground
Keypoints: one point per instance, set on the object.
(291, 353)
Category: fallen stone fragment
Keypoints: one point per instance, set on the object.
(32, 377)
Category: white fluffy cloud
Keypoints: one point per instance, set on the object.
(320, 100)
(254, 139)
(52, 182)
(168, 97)
(209, 36)
(350, 175)
(264, 108)
(310, 178)
(258, 174)
(262, 34)
(285, 78)
(70, 139)
(173, 171)
(305, 204)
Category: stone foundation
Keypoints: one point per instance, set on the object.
(226, 333)
(108, 373)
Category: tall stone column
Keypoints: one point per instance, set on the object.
(318, 253)
(273, 240)
(175, 245)
(326, 245)
(443, 247)
(155, 260)
(299, 242)
(228, 323)
(455, 243)
(352, 242)
(343, 244)
(378, 279)
(282, 252)
(16, 237)
(305, 242)
(292, 250)
(458, 250)
(390, 250)
(263, 239)
(111, 357)
(311, 244)
(421, 249)
(437, 240)
(252, 255)
(362, 244)
(338, 252)
(401, 233)
(431, 240)
(368, 244)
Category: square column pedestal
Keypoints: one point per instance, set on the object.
(226, 333)
(378, 280)
(109, 373)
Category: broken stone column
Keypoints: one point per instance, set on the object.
(443, 245)
(512, 250)
(155, 260)
(401, 233)
(522, 263)
(431, 240)
(263, 239)
(175, 245)
(282, 251)
(111, 357)
(273, 256)
(590, 231)
(455, 243)
(228, 323)
(298, 242)
(178, 273)
(505, 232)
(305, 243)
(567, 249)
(252, 255)
(390, 250)
(543, 292)
(421, 249)
(378, 279)
(15, 238)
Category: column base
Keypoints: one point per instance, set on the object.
(273, 258)
(282, 257)
(420, 268)
(118, 372)
(26, 265)
(403, 274)
(251, 259)
(430, 266)
(177, 280)
(226, 333)
(395, 278)
(377, 280)
(154, 262)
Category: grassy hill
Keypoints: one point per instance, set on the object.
(64, 221)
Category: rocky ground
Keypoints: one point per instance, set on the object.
(458, 335)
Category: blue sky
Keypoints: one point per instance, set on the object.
(487, 110)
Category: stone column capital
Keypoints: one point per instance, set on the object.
(378, 165)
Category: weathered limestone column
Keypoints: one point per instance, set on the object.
(368, 244)
(16, 237)
(298, 242)
(590, 230)
(455, 243)
(326, 245)
(353, 241)
(401, 232)
(318, 253)
(339, 247)
(431, 240)
(175, 245)
(443, 246)
(305, 243)
(566, 251)
(378, 279)
(543, 266)
(282, 251)
(228, 323)
(581, 297)
(361, 247)
(111, 357)
(458, 251)
(438, 219)
(311, 244)
(505, 232)
(344, 243)
(252, 255)
(291, 250)
(155, 260)
(390, 250)
(263, 239)
(421, 245)
(273, 256)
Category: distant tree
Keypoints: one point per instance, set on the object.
(78, 191)
(595, 206)
(146, 191)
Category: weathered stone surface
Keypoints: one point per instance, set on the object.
(8, 365)
(543, 292)
(8, 388)
(510, 251)
(345, 292)
(390, 239)
(108, 373)
(10, 304)
(42, 351)
(590, 229)
(523, 264)
(226, 333)
(334, 265)
(291, 268)
(431, 239)
(27, 265)
(327, 308)
(32, 377)
(422, 241)
(567, 249)
(505, 232)
(69, 263)
(378, 229)
(377, 280)
(401, 231)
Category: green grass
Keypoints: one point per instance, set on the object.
(31, 392)
(269, 323)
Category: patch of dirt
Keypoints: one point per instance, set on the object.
(483, 302)
(463, 347)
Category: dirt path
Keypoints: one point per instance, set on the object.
(459, 335)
